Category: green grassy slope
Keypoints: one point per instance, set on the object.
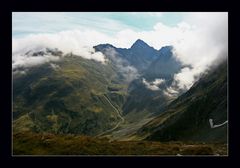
(69, 99)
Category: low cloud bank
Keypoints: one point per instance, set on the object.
(154, 85)
(66, 41)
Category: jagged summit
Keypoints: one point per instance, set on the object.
(166, 48)
(140, 55)
(139, 44)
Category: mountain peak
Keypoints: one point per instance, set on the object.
(166, 52)
(101, 47)
(166, 48)
(139, 44)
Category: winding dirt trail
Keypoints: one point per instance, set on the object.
(119, 115)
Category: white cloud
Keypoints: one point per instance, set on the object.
(154, 85)
(171, 92)
(185, 78)
(203, 44)
(205, 41)
(24, 61)
(74, 41)
(158, 81)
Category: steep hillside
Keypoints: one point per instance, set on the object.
(80, 96)
(68, 96)
(187, 118)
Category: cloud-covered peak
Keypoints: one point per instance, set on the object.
(44, 51)
(35, 57)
